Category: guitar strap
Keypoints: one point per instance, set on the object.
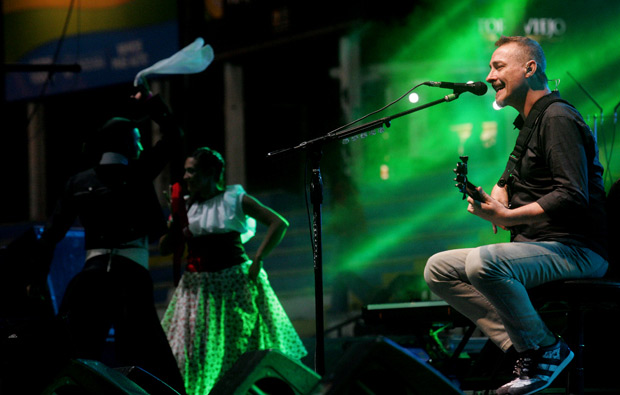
(525, 134)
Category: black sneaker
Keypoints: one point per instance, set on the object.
(536, 369)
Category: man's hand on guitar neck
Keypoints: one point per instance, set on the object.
(488, 208)
(497, 213)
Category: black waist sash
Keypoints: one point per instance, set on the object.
(215, 252)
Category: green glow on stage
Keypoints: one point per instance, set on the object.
(408, 205)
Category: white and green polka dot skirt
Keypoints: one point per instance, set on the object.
(213, 318)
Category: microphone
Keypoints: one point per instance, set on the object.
(477, 88)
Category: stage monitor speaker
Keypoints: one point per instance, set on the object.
(382, 367)
(267, 372)
(88, 377)
(147, 381)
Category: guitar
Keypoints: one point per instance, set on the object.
(462, 183)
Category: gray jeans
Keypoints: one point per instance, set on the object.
(489, 284)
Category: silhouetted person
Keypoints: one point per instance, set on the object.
(117, 206)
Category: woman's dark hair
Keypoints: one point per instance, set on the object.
(209, 162)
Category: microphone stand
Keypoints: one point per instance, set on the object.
(316, 198)
(596, 123)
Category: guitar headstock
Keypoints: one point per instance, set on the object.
(462, 183)
(461, 174)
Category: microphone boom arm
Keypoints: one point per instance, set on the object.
(385, 121)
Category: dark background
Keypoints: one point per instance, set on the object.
(289, 94)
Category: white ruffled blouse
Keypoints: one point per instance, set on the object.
(221, 214)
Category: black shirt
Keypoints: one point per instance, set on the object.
(117, 203)
(560, 170)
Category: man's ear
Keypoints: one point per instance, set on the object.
(530, 68)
